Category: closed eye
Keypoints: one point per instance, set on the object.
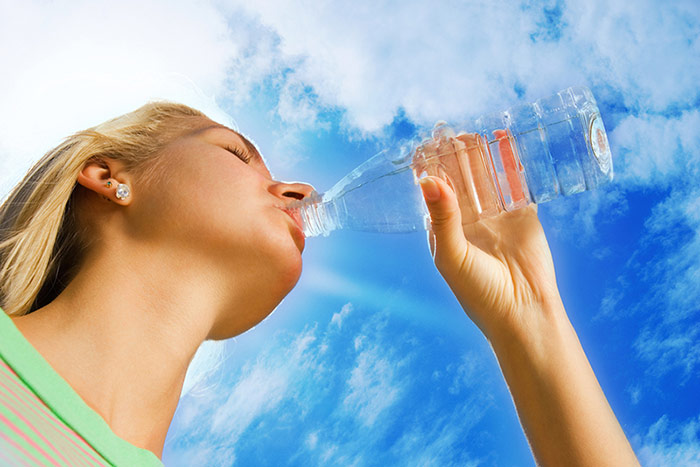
(238, 152)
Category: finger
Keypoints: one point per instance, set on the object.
(450, 244)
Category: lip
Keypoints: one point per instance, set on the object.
(299, 231)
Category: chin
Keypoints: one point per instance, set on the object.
(255, 307)
(282, 264)
(267, 299)
(290, 275)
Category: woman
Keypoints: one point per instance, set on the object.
(134, 241)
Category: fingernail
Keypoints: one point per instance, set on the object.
(430, 189)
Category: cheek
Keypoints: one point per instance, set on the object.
(208, 206)
(225, 216)
(237, 235)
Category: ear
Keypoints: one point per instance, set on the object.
(103, 175)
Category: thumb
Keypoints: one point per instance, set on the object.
(450, 244)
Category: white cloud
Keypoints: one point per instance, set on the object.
(653, 150)
(358, 341)
(672, 225)
(439, 446)
(373, 59)
(373, 386)
(466, 374)
(71, 65)
(211, 426)
(667, 347)
(312, 441)
(670, 443)
(338, 317)
(465, 59)
(635, 394)
(262, 387)
(580, 216)
(298, 106)
(362, 394)
(669, 336)
(639, 48)
(445, 440)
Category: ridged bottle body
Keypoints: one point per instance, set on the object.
(536, 152)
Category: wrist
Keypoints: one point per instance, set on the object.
(538, 330)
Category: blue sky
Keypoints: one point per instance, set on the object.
(370, 360)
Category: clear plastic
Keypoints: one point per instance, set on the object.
(556, 146)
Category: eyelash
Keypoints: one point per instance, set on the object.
(238, 153)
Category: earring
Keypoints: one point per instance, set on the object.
(109, 184)
(123, 191)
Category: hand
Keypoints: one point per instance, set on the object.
(502, 273)
(500, 268)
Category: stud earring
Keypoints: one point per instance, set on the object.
(123, 191)
(109, 184)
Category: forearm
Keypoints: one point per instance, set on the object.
(562, 409)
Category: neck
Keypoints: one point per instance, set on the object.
(123, 333)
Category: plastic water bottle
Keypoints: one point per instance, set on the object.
(556, 146)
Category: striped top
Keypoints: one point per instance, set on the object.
(44, 422)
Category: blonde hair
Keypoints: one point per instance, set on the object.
(41, 242)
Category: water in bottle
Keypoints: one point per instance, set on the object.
(556, 146)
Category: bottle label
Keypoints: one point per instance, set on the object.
(599, 142)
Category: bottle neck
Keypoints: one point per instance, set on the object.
(316, 216)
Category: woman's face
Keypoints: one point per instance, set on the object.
(218, 201)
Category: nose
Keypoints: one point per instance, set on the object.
(294, 190)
